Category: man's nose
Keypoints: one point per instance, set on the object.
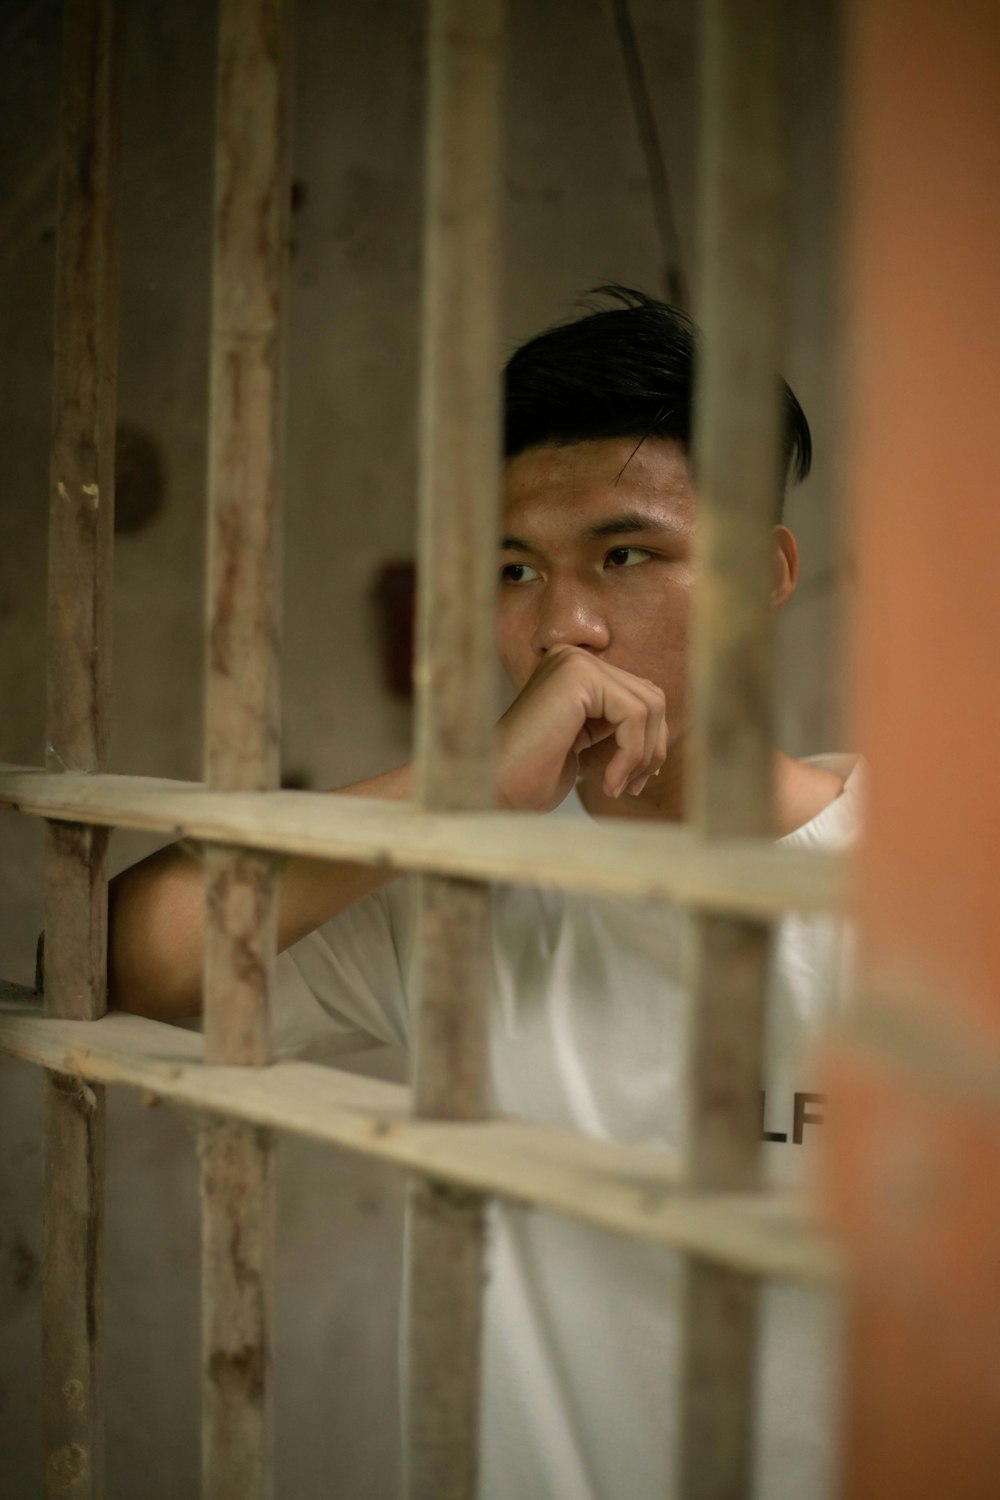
(568, 618)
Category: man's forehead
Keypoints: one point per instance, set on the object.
(611, 473)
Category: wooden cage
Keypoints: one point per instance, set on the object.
(724, 865)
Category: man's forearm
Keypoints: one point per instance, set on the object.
(156, 913)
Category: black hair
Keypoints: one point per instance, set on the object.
(620, 371)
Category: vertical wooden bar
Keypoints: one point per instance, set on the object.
(81, 511)
(460, 463)
(242, 723)
(738, 464)
(912, 1152)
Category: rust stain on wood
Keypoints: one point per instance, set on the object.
(76, 1395)
(245, 1273)
(66, 1468)
(228, 545)
(239, 1370)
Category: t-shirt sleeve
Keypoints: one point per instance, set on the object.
(341, 989)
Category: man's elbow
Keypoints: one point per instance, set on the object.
(154, 938)
(142, 995)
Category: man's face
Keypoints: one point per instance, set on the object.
(597, 552)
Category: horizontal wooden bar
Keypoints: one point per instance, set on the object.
(632, 1190)
(741, 876)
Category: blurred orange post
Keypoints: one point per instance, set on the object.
(912, 1167)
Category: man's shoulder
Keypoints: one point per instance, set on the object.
(827, 808)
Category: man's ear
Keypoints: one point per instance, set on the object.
(786, 566)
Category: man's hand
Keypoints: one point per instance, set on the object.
(572, 701)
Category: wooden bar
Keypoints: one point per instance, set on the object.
(444, 1312)
(456, 715)
(242, 724)
(73, 1126)
(237, 1199)
(450, 1057)
(81, 499)
(738, 466)
(81, 514)
(908, 1168)
(633, 1190)
(744, 877)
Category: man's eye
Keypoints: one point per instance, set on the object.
(626, 557)
(517, 573)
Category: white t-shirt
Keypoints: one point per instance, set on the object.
(587, 1030)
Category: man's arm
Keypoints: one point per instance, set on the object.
(572, 702)
(156, 913)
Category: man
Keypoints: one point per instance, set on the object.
(587, 999)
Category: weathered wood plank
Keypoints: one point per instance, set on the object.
(450, 1074)
(738, 413)
(745, 877)
(81, 499)
(738, 438)
(242, 689)
(73, 1123)
(242, 722)
(632, 1190)
(240, 929)
(717, 1418)
(81, 513)
(444, 1306)
(456, 715)
(237, 1198)
(728, 972)
(459, 409)
(75, 962)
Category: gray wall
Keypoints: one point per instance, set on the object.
(578, 214)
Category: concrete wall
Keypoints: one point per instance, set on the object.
(578, 214)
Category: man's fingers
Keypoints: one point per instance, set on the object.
(572, 684)
(654, 742)
(654, 726)
(630, 733)
(632, 709)
(592, 733)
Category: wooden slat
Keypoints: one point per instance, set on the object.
(240, 931)
(450, 1060)
(76, 920)
(456, 715)
(81, 513)
(237, 1278)
(444, 1310)
(740, 306)
(460, 408)
(633, 1190)
(81, 500)
(720, 1337)
(741, 876)
(73, 1123)
(242, 724)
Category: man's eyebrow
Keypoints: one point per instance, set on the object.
(628, 522)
